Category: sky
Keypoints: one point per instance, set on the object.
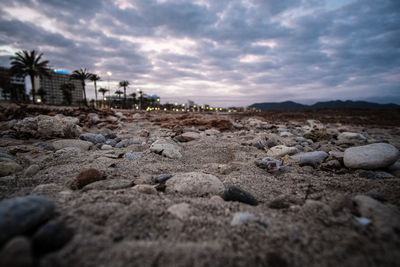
(223, 53)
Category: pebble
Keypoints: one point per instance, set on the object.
(233, 193)
(122, 143)
(111, 184)
(111, 136)
(90, 137)
(51, 237)
(144, 133)
(268, 163)
(106, 147)
(385, 218)
(80, 144)
(50, 190)
(373, 156)
(211, 132)
(284, 201)
(190, 136)
(6, 155)
(195, 184)
(86, 177)
(17, 253)
(363, 221)
(22, 214)
(281, 150)
(310, 158)
(131, 155)
(8, 166)
(145, 189)
(241, 218)
(44, 146)
(32, 170)
(349, 137)
(162, 178)
(166, 148)
(111, 142)
(99, 139)
(67, 152)
(181, 211)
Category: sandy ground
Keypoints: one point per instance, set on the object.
(123, 227)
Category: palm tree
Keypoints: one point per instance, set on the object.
(28, 63)
(124, 84)
(82, 75)
(94, 79)
(103, 91)
(67, 89)
(119, 93)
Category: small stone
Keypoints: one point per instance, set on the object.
(144, 133)
(106, 147)
(8, 166)
(233, 193)
(86, 177)
(217, 199)
(99, 139)
(131, 155)
(189, 136)
(270, 164)
(22, 214)
(123, 143)
(348, 137)
(310, 158)
(67, 152)
(32, 170)
(373, 156)
(194, 184)
(80, 144)
(162, 178)
(241, 218)
(51, 237)
(281, 150)
(112, 184)
(17, 253)
(166, 148)
(44, 146)
(212, 132)
(181, 211)
(145, 189)
(6, 155)
(90, 137)
(284, 202)
(363, 221)
(111, 136)
(50, 190)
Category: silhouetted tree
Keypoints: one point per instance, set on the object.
(82, 75)
(67, 89)
(124, 84)
(94, 78)
(28, 63)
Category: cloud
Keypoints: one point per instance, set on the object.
(218, 52)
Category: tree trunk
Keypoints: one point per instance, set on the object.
(95, 93)
(84, 93)
(33, 88)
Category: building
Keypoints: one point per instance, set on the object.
(51, 85)
(12, 86)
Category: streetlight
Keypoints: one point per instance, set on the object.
(109, 73)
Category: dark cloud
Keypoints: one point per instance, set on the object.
(220, 52)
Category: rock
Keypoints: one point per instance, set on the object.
(189, 136)
(281, 150)
(337, 155)
(111, 119)
(112, 184)
(86, 177)
(80, 144)
(90, 137)
(181, 211)
(123, 143)
(217, 199)
(270, 164)
(284, 201)
(348, 137)
(233, 193)
(32, 170)
(363, 221)
(332, 165)
(99, 139)
(314, 207)
(50, 190)
(145, 189)
(26, 127)
(51, 237)
(373, 156)
(212, 132)
(241, 218)
(57, 126)
(67, 152)
(195, 184)
(17, 253)
(22, 214)
(131, 155)
(106, 147)
(166, 148)
(6, 155)
(111, 136)
(310, 158)
(315, 131)
(144, 133)
(385, 218)
(44, 146)
(162, 178)
(285, 134)
(8, 166)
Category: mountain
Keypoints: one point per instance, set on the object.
(337, 104)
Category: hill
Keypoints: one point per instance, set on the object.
(337, 104)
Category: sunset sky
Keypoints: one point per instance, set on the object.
(217, 51)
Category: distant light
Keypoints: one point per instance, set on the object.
(183, 105)
(105, 98)
(158, 100)
(176, 104)
(39, 100)
(61, 71)
(194, 106)
(109, 73)
(165, 109)
(220, 108)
